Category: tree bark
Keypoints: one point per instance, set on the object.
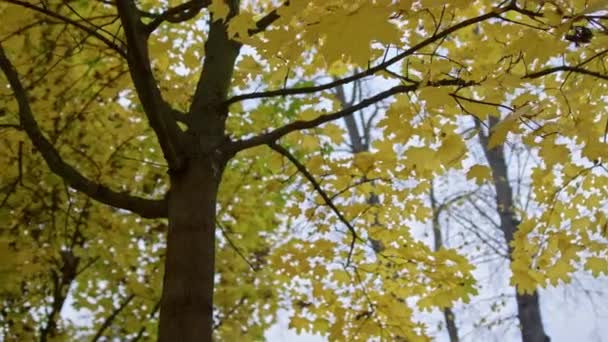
(528, 311)
(528, 306)
(187, 302)
(186, 311)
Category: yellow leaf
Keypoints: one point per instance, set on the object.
(560, 271)
(553, 153)
(524, 278)
(309, 114)
(334, 132)
(298, 323)
(597, 266)
(436, 97)
(350, 32)
(240, 25)
(500, 131)
(364, 161)
(219, 10)
(554, 17)
(341, 276)
(480, 174)
(421, 158)
(452, 149)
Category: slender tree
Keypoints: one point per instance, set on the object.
(528, 305)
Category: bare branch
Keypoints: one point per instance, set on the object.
(13, 126)
(448, 314)
(229, 313)
(190, 9)
(276, 134)
(300, 125)
(483, 236)
(283, 151)
(357, 142)
(236, 248)
(144, 207)
(62, 278)
(108, 322)
(486, 103)
(568, 68)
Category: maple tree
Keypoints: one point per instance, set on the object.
(150, 110)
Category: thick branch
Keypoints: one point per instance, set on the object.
(567, 68)
(156, 109)
(370, 71)
(180, 116)
(283, 151)
(276, 134)
(145, 208)
(13, 126)
(91, 31)
(207, 110)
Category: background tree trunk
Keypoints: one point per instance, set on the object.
(187, 302)
(448, 314)
(528, 305)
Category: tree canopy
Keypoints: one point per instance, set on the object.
(118, 120)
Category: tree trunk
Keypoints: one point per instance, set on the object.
(528, 311)
(528, 306)
(187, 302)
(448, 314)
(186, 310)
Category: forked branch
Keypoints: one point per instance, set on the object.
(274, 135)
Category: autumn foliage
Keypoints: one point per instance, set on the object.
(156, 155)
